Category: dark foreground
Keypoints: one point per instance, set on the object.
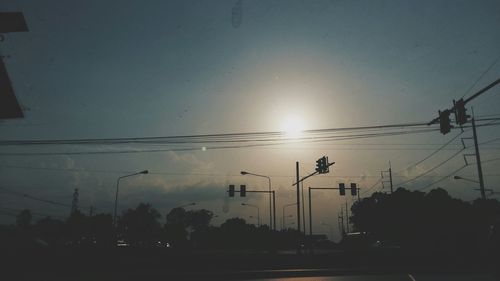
(166, 264)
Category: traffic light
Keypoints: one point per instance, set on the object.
(354, 189)
(243, 190)
(319, 165)
(231, 190)
(322, 165)
(444, 122)
(460, 112)
(342, 189)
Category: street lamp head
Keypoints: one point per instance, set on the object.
(457, 177)
(144, 172)
(243, 173)
(243, 204)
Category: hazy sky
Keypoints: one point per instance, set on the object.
(109, 69)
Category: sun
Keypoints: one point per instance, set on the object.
(293, 126)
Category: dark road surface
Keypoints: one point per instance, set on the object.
(151, 264)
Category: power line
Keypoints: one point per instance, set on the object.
(481, 76)
(443, 178)
(490, 141)
(226, 137)
(33, 213)
(371, 187)
(152, 172)
(490, 160)
(24, 195)
(433, 168)
(323, 139)
(7, 214)
(260, 142)
(432, 154)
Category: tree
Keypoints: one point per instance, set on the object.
(199, 219)
(180, 223)
(432, 221)
(76, 228)
(100, 228)
(50, 231)
(140, 226)
(24, 219)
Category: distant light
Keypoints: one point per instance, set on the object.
(203, 148)
(293, 126)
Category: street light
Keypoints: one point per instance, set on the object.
(252, 217)
(271, 209)
(283, 221)
(330, 227)
(117, 187)
(283, 214)
(474, 181)
(258, 211)
(465, 179)
(187, 205)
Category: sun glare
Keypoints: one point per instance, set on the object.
(293, 126)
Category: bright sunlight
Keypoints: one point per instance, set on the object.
(293, 126)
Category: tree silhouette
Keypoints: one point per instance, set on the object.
(23, 219)
(76, 229)
(175, 228)
(432, 221)
(140, 226)
(180, 223)
(50, 231)
(199, 219)
(100, 229)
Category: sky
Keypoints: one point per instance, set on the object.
(114, 69)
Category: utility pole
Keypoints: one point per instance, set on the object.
(342, 220)
(478, 159)
(299, 250)
(390, 177)
(303, 208)
(347, 217)
(310, 215)
(274, 210)
(74, 203)
(298, 195)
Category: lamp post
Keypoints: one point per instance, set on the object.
(187, 205)
(117, 187)
(330, 228)
(283, 221)
(283, 214)
(475, 181)
(465, 179)
(258, 212)
(271, 209)
(252, 217)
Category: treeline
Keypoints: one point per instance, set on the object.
(432, 221)
(141, 227)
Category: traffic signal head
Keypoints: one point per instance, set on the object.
(354, 189)
(231, 190)
(318, 166)
(322, 165)
(460, 112)
(342, 189)
(243, 190)
(444, 122)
